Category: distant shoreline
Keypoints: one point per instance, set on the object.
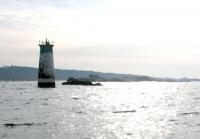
(18, 73)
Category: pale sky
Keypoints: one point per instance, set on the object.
(146, 37)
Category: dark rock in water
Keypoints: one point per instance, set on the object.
(22, 124)
(73, 81)
(13, 124)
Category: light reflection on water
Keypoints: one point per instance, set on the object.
(114, 111)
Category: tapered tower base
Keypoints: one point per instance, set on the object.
(46, 85)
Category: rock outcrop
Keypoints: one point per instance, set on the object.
(73, 81)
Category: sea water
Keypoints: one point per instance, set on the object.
(116, 110)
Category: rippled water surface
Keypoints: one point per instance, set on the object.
(113, 111)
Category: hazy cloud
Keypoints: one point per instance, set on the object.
(16, 13)
(146, 37)
(18, 4)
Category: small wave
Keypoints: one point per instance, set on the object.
(129, 134)
(79, 112)
(20, 88)
(27, 103)
(128, 111)
(196, 98)
(144, 107)
(44, 104)
(75, 98)
(190, 113)
(172, 120)
(17, 109)
(4, 135)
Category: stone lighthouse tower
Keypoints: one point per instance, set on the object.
(46, 76)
